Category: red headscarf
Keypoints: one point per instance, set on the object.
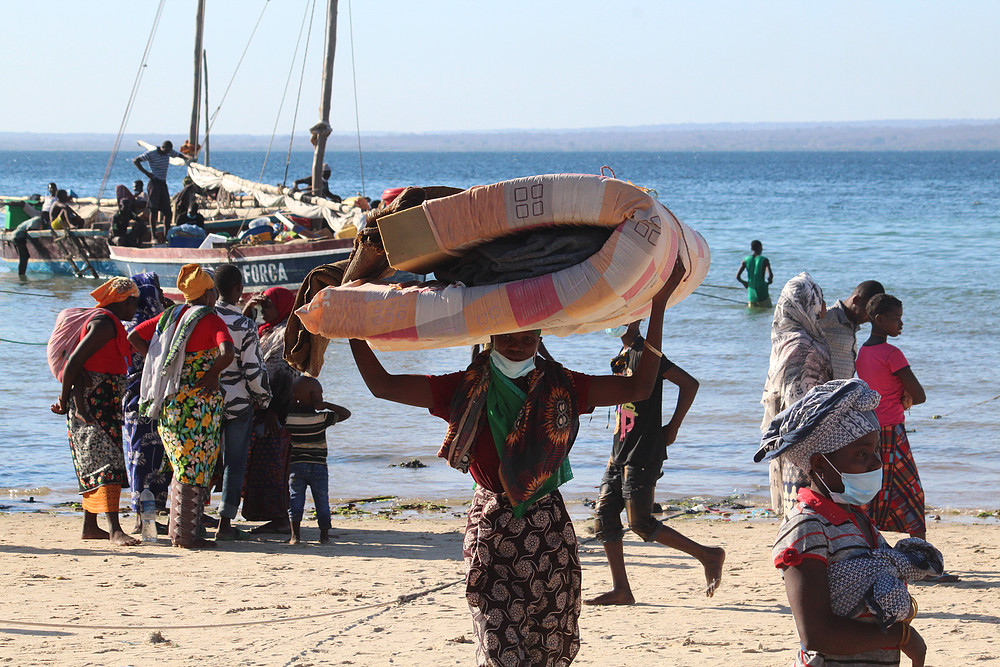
(283, 300)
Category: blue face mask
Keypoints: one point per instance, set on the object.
(617, 332)
(859, 488)
(512, 369)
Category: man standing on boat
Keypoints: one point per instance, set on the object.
(159, 195)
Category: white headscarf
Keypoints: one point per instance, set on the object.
(800, 355)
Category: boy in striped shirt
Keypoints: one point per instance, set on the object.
(307, 426)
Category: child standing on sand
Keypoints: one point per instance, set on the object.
(307, 460)
(899, 506)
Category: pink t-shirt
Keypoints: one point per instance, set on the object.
(876, 365)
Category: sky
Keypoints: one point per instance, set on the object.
(471, 65)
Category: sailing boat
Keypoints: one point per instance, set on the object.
(86, 253)
(280, 264)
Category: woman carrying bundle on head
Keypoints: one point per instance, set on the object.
(513, 417)
(186, 348)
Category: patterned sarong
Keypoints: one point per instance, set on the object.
(522, 582)
(899, 506)
(143, 447)
(265, 485)
(97, 447)
(190, 424)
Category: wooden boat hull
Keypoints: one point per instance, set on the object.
(263, 266)
(49, 252)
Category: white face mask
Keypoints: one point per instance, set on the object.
(617, 332)
(512, 369)
(859, 488)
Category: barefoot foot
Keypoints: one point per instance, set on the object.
(276, 526)
(713, 560)
(294, 539)
(200, 543)
(94, 533)
(324, 535)
(612, 597)
(120, 538)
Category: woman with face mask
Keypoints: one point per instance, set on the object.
(512, 419)
(829, 551)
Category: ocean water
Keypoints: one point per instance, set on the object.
(927, 225)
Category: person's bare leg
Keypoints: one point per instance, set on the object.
(324, 535)
(711, 558)
(117, 535)
(91, 531)
(621, 592)
(295, 538)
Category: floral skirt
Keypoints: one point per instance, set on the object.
(190, 424)
(97, 447)
(522, 582)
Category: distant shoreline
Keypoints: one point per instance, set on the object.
(873, 136)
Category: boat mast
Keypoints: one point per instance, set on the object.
(199, 30)
(321, 130)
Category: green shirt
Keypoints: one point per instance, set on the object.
(757, 284)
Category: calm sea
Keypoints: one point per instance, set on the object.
(927, 225)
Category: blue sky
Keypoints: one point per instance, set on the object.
(457, 66)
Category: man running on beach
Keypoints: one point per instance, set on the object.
(159, 195)
(640, 447)
(756, 266)
(841, 324)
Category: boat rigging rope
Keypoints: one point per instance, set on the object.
(284, 94)
(354, 79)
(131, 99)
(211, 121)
(298, 96)
(19, 342)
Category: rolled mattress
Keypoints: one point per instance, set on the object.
(614, 286)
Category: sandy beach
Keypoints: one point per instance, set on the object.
(388, 591)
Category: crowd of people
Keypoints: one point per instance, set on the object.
(178, 398)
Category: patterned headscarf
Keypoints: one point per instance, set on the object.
(800, 355)
(150, 303)
(829, 417)
(114, 290)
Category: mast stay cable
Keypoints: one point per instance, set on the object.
(215, 113)
(298, 96)
(284, 94)
(131, 99)
(354, 78)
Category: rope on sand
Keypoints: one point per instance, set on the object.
(402, 599)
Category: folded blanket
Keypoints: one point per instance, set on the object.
(876, 580)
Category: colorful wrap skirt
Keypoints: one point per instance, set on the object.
(899, 506)
(522, 582)
(97, 447)
(143, 447)
(190, 424)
